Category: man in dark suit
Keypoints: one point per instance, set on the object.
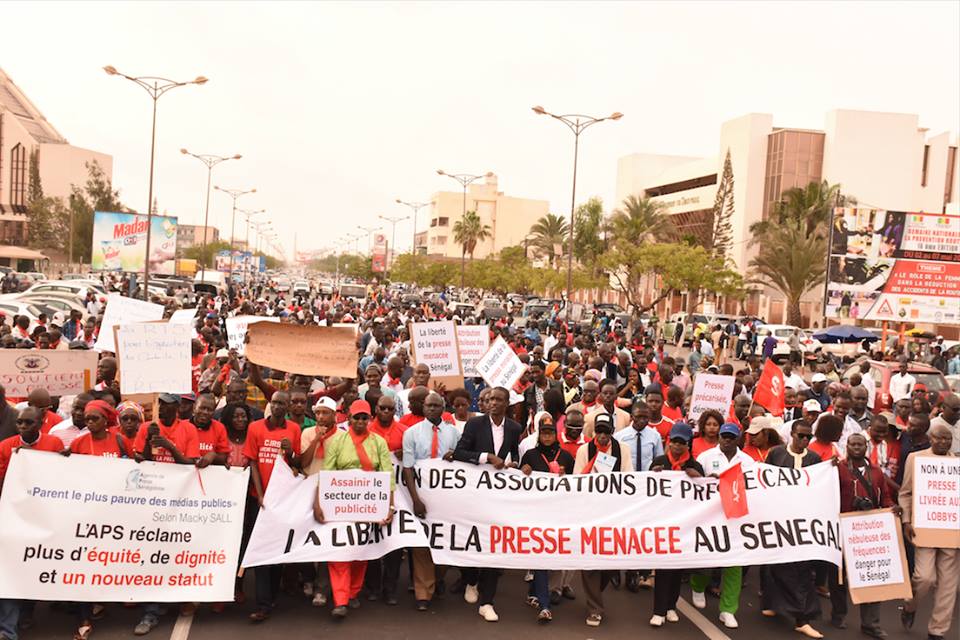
(488, 439)
(533, 395)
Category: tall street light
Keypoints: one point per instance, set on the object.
(210, 161)
(393, 236)
(369, 231)
(247, 213)
(415, 207)
(259, 227)
(233, 193)
(577, 123)
(465, 179)
(155, 87)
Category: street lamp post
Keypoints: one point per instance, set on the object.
(155, 87)
(210, 161)
(234, 194)
(249, 214)
(465, 179)
(415, 207)
(369, 231)
(577, 123)
(393, 236)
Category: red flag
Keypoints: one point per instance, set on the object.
(769, 392)
(733, 495)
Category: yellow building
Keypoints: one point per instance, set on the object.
(509, 219)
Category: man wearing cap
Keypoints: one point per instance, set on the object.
(355, 448)
(810, 411)
(666, 587)
(818, 391)
(265, 440)
(430, 438)
(714, 462)
(185, 412)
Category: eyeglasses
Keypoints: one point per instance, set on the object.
(803, 436)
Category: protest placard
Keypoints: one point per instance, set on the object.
(936, 500)
(93, 529)
(124, 310)
(354, 496)
(237, 327)
(711, 392)
(500, 366)
(154, 357)
(874, 556)
(62, 373)
(435, 345)
(473, 341)
(183, 316)
(308, 350)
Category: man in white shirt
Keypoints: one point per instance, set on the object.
(791, 378)
(867, 382)
(70, 429)
(901, 383)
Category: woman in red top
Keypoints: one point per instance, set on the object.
(708, 432)
(130, 417)
(759, 437)
(829, 427)
(99, 441)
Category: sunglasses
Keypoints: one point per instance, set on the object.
(804, 436)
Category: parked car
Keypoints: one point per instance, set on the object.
(326, 289)
(62, 303)
(690, 321)
(12, 308)
(78, 288)
(782, 332)
(930, 377)
(492, 308)
(301, 287)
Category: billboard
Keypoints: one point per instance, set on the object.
(243, 262)
(894, 265)
(378, 260)
(120, 241)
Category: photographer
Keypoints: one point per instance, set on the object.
(863, 487)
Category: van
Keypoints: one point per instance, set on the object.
(209, 282)
(355, 291)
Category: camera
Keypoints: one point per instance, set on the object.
(862, 504)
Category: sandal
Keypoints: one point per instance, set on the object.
(83, 631)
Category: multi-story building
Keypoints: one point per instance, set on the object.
(509, 219)
(192, 235)
(884, 160)
(26, 136)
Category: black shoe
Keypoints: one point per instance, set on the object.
(555, 596)
(873, 632)
(354, 603)
(931, 636)
(389, 599)
(838, 623)
(906, 618)
(339, 612)
(423, 605)
(633, 582)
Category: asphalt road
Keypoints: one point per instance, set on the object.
(627, 616)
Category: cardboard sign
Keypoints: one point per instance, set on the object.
(500, 366)
(62, 373)
(154, 357)
(354, 496)
(237, 330)
(936, 500)
(123, 310)
(711, 392)
(473, 341)
(183, 316)
(435, 345)
(874, 556)
(307, 350)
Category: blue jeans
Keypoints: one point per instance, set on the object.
(540, 588)
(9, 617)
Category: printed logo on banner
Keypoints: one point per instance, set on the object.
(137, 480)
(32, 363)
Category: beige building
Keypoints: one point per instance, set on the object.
(191, 235)
(23, 131)
(509, 219)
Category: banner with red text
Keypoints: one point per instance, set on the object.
(480, 517)
(92, 529)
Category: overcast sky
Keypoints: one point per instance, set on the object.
(338, 109)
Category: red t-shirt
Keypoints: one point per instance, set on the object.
(49, 421)
(825, 450)
(87, 445)
(182, 434)
(45, 443)
(571, 446)
(392, 434)
(127, 442)
(700, 445)
(663, 426)
(213, 438)
(263, 445)
(196, 369)
(670, 412)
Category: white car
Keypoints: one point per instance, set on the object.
(326, 289)
(63, 303)
(12, 308)
(78, 288)
(301, 287)
(782, 332)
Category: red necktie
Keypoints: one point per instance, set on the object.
(435, 445)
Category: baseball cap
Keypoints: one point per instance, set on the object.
(812, 405)
(547, 426)
(222, 353)
(604, 420)
(682, 431)
(818, 377)
(731, 428)
(325, 402)
(760, 423)
(169, 398)
(359, 406)
(192, 397)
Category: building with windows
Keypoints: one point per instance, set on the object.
(26, 137)
(192, 235)
(509, 219)
(884, 160)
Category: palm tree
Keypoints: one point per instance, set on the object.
(468, 232)
(809, 206)
(641, 220)
(548, 232)
(791, 262)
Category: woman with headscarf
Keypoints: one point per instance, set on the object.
(99, 440)
(546, 457)
(129, 418)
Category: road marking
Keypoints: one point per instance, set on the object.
(181, 628)
(709, 629)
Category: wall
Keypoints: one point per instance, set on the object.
(62, 165)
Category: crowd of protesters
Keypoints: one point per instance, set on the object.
(587, 390)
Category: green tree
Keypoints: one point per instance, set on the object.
(550, 234)
(810, 207)
(47, 218)
(468, 232)
(641, 219)
(721, 235)
(589, 233)
(206, 257)
(97, 194)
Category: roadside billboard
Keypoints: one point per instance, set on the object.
(243, 262)
(120, 241)
(894, 265)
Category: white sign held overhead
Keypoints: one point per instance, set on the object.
(435, 345)
(123, 310)
(711, 392)
(500, 366)
(155, 358)
(237, 330)
(473, 341)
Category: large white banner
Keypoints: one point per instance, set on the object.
(477, 516)
(92, 529)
